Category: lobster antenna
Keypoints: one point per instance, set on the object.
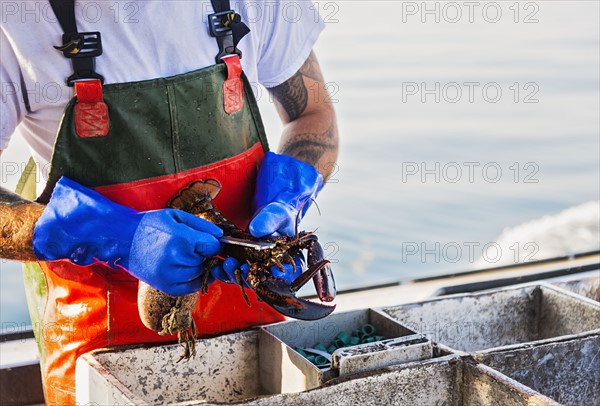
(302, 207)
(316, 205)
(297, 221)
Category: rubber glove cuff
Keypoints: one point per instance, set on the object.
(285, 188)
(70, 224)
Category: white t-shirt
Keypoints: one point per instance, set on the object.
(141, 40)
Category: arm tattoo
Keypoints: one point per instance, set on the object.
(17, 221)
(311, 69)
(292, 94)
(310, 147)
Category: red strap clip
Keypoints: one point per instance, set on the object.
(233, 87)
(91, 113)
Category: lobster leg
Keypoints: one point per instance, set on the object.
(282, 297)
(288, 259)
(240, 281)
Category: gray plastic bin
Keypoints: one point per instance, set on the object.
(512, 316)
(278, 342)
(567, 371)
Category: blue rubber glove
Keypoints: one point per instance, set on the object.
(226, 272)
(164, 248)
(285, 188)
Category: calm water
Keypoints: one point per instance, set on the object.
(450, 132)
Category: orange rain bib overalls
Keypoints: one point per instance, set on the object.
(139, 144)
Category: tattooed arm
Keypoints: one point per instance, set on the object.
(310, 133)
(17, 220)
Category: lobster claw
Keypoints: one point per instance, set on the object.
(323, 279)
(282, 296)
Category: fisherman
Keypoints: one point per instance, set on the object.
(161, 101)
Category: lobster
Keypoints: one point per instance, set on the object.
(169, 315)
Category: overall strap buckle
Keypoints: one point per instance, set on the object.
(82, 48)
(227, 27)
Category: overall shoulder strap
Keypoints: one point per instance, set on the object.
(220, 5)
(65, 13)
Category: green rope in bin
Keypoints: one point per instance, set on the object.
(321, 361)
(320, 355)
(320, 347)
(343, 337)
(368, 329)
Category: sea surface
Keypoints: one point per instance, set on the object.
(457, 121)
